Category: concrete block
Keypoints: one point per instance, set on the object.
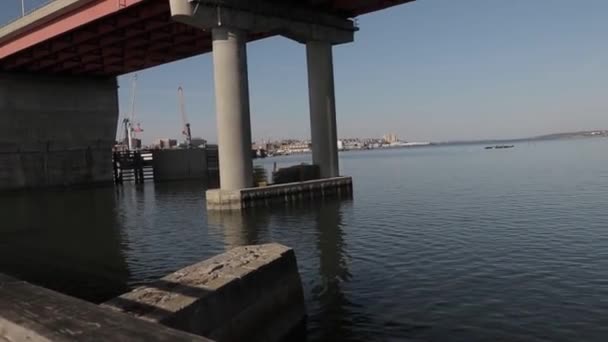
(251, 293)
(32, 313)
(218, 199)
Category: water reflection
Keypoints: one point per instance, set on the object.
(164, 228)
(335, 321)
(446, 243)
(68, 241)
(321, 249)
(240, 228)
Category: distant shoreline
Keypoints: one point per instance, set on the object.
(551, 137)
(547, 137)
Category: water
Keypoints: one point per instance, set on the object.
(444, 243)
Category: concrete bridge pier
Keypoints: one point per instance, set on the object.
(322, 108)
(232, 106)
(319, 31)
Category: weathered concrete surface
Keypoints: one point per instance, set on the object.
(56, 131)
(251, 293)
(32, 313)
(218, 199)
(179, 164)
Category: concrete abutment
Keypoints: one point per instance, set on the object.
(250, 293)
(56, 131)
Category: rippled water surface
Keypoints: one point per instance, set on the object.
(444, 243)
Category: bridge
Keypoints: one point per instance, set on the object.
(58, 68)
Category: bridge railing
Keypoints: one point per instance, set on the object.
(34, 8)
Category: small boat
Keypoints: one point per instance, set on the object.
(499, 147)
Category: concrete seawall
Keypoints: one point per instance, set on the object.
(251, 293)
(32, 313)
(56, 131)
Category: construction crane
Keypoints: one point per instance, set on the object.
(130, 131)
(133, 129)
(127, 138)
(186, 125)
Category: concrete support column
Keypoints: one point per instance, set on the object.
(232, 107)
(322, 107)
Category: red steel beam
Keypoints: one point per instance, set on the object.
(65, 23)
(147, 17)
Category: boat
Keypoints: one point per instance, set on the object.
(499, 147)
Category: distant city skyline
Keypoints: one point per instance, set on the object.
(432, 70)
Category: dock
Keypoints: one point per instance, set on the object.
(165, 165)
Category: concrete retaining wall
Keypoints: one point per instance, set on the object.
(251, 293)
(32, 313)
(56, 131)
(180, 164)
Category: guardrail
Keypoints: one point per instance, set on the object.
(27, 12)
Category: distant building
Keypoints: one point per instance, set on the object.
(293, 146)
(261, 146)
(136, 143)
(165, 143)
(124, 144)
(390, 138)
(351, 144)
(199, 142)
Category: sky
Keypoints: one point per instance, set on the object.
(432, 70)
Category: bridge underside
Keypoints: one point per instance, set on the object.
(142, 36)
(139, 36)
(58, 91)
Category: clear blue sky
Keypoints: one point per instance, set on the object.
(431, 70)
